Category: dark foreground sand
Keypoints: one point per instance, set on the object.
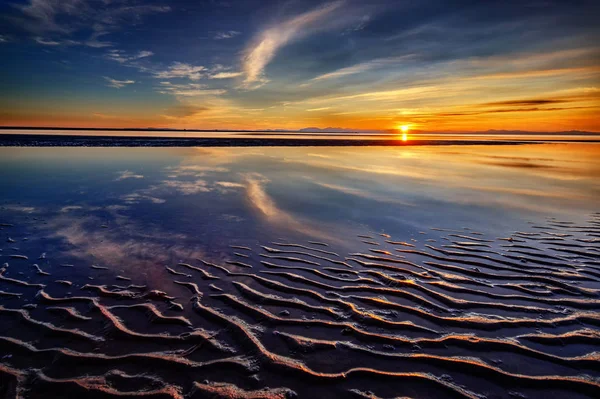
(463, 315)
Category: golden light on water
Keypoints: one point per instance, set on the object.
(404, 137)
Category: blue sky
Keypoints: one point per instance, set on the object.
(432, 65)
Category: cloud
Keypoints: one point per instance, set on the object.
(66, 17)
(127, 174)
(138, 196)
(117, 84)
(188, 90)
(363, 67)
(4, 39)
(52, 42)
(225, 75)
(364, 21)
(265, 47)
(45, 42)
(44, 12)
(182, 70)
(122, 57)
(226, 35)
(529, 102)
(187, 187)
(143, 54)
(70, 208)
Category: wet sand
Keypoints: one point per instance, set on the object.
(453, 313)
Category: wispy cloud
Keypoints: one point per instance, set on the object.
(122, 57)
(127, 174)
(117, 84)
(46, 42)
(265, 47)
(363, 67)
(94, 40)
(347, 71)
(182, 70)
(65, 17)
(188, 90)
(225, 75)
(42, 14)
(226, 35)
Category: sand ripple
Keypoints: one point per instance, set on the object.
(454, 314)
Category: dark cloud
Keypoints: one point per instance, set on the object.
(531, 102)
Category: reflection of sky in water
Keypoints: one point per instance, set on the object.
(160, 205)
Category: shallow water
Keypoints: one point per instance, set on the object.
(428, 271)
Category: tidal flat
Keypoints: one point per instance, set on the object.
(469, 271)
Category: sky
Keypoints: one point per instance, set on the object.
(430, 65)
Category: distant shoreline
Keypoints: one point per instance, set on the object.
(49, 140)
(306, 131)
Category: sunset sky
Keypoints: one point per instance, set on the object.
(260, 64)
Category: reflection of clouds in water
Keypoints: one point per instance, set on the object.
(410, 172)
(363, 194)
(226, 187)
(310, 154)
(185, 187)
(231, 218)
(465, 175)
(176, 183)
(142, 195)
(216, 156)
(19, 208)
(70, 208)
(128, 248)
(229, 184)
(193, 170)
(184, 179)
(266, 206)
(127, 174)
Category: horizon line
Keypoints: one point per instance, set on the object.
(307, 130)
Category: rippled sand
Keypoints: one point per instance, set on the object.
(463, 315)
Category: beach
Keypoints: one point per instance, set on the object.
(281, 272)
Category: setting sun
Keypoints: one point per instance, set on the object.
(404, 129)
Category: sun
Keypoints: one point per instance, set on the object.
(404, 129)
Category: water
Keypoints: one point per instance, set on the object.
(133, 211)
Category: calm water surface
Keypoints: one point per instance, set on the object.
(133, 211)
(121, 206)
